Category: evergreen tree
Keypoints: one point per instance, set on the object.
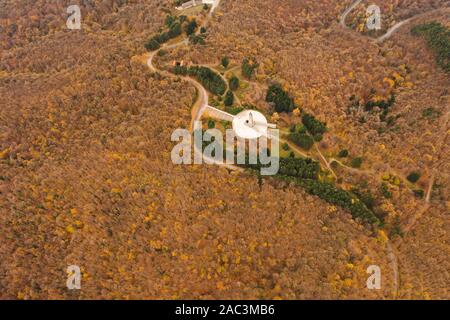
(152, 45)
(314, 126)
(248, 67)
(233, 83)
(225, 62)
(229, 99)
(280, 98)
(191, 27)
(304, 141)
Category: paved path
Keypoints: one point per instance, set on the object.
(412, 222)
(347, 11)
(397, 26)
(202, 100)
(214, 6)
(391, 30)
(439, 153)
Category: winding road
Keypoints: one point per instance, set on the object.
(202, 102)
(347, 11)
(392, 29)
(444, 134)
(203, 99)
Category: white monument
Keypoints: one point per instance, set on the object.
(249, 124)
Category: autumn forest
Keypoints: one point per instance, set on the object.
(86, 177)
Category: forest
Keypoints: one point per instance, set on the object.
(175, 26)
(85, 141)
(438, 38)
(208, 78)
(281, 99)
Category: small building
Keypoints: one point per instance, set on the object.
(194, 3)
(178, 63)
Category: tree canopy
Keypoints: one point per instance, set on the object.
(280, 98)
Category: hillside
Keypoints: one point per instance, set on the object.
(85, 141)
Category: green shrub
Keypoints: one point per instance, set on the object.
(438, 39)
(182, 18)
(357, 162)
(280, 98)
(234, 110)
(195, 39)
(190, 27)
(314, 126)
(299, 168)
(229, 99)
(431, 113)
(396, 229)
(339, 197)
(225, 62)
(208, 78)
(304, 141)
(152, 45)
(343, 153)
(180, 70)
(249, 66)
(382, 104)
(297, 128)
(318, 137)
(233, 83)
(419, 193)
(413, 177)
(175, 30)
(365, 196)
(162, 53)
(173, 23)
(170, 20)
(385, 191)
(305, 172)
(301, 129)
(295, 167)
